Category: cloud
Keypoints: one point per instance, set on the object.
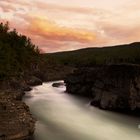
(46, 6)
(56, 26)
(17, 2)
(7, 7)
(50, 30)
(62, 8)
(54, 37)
(122, 32)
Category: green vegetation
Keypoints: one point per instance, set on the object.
(17, 53)
(129, 53)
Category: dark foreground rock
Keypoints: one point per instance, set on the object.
(16, 122)
(114, 87)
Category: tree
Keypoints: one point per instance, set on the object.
(17, 52)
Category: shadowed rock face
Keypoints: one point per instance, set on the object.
(110, 86)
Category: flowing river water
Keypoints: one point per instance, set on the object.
(61, 116)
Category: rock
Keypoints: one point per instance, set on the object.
(15, 84)
(16, 122)
(26, 88)
(60, 84)
(34, 81)
(113, 87)
(56, 72)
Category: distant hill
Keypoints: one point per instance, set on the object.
(129, 53)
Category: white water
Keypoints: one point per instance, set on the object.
(64, 117)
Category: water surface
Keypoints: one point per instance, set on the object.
(64, 117)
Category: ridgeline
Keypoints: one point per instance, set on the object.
(129, 53)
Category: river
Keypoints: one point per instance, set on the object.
(61, 116)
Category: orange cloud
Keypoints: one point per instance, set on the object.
(52, 31)
(52, 37)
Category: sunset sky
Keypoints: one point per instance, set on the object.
(60, 25)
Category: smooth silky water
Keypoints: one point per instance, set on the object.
(61, 116)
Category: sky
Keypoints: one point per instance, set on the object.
(61, 25)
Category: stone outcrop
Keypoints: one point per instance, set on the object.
(114, 87)
(16, 122)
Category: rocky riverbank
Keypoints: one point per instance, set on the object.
(16, 121)
(113, 87)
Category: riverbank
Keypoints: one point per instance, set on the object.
(16, 121)
(111, 87)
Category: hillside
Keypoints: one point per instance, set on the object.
(129, 53)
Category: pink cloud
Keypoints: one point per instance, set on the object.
(7, 7)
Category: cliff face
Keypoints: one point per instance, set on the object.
(110, 86)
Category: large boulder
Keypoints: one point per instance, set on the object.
(111, 86)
